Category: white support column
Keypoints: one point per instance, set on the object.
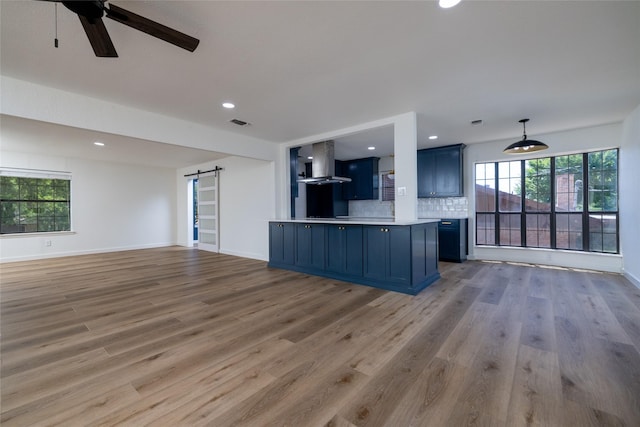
(405, 146)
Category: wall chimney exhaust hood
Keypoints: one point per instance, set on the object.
(323, 166)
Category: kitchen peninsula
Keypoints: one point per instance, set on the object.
(383, 253)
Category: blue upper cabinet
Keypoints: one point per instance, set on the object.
(440, 172)
(364, 179)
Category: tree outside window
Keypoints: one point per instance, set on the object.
(29, 205)
(549, 202)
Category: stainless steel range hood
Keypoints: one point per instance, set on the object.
(323, 166)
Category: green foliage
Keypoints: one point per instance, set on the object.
(602, 177)
(603, 181)
(537, 180)
(34, 204)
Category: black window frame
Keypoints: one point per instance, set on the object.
(586, 212)
(49, 210)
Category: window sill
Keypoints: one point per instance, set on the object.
(555, 257)
(37, 234)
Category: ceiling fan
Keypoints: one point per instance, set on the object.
(91, 12)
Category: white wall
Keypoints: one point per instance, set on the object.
(573, 141)
(46, 104)
(114, 207)
(630, 202)
(247, 188)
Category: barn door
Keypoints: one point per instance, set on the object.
(208, 223)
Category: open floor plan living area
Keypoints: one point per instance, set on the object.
(320, 213)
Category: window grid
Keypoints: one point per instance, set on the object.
(552, 214)
(29, 205)
(388, 186)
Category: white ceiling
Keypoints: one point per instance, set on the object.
(302, 68)
(39, 138)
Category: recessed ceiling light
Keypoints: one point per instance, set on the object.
(310, 157)
(99, 144)
(433, 137)
(371, 148)
(445, 4)
(228, 105)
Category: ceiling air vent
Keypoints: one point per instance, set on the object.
(238, 122)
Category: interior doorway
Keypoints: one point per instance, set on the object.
(194, 216)
(206, 211)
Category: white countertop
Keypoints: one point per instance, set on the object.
(358, 221)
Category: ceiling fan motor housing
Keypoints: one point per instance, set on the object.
(93, 9)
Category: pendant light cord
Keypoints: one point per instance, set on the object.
(524, 128)
(55, 40)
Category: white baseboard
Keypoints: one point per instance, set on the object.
(251, 255)
(632, 279)
(611, 263)
(83, 252)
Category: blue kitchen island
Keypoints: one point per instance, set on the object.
(386, 254)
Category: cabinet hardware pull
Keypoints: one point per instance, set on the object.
(446, 222)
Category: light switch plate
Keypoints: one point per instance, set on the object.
(402, 191)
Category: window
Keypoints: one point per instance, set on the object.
(550, 202)
(569, 201)
(34, 201)
(388, 186)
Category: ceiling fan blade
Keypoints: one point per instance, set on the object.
(98, 37)
(152, 28)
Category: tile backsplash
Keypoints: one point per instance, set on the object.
(371, 208)
(445, 207)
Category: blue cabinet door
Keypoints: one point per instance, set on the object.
(344, 249)
(452, 234)
(424, 247)
(426, 173)
(387, 254)
(375, 252)
(399, 255)
(440, 172)
(310, 245)
(281, 243)
(353, 250)
(364, 183)
(336, 248)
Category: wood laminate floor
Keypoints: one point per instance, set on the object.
(177, 336)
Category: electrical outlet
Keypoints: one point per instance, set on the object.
(47, 243)
(402, 191)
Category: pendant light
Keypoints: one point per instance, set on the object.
(525, 145)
